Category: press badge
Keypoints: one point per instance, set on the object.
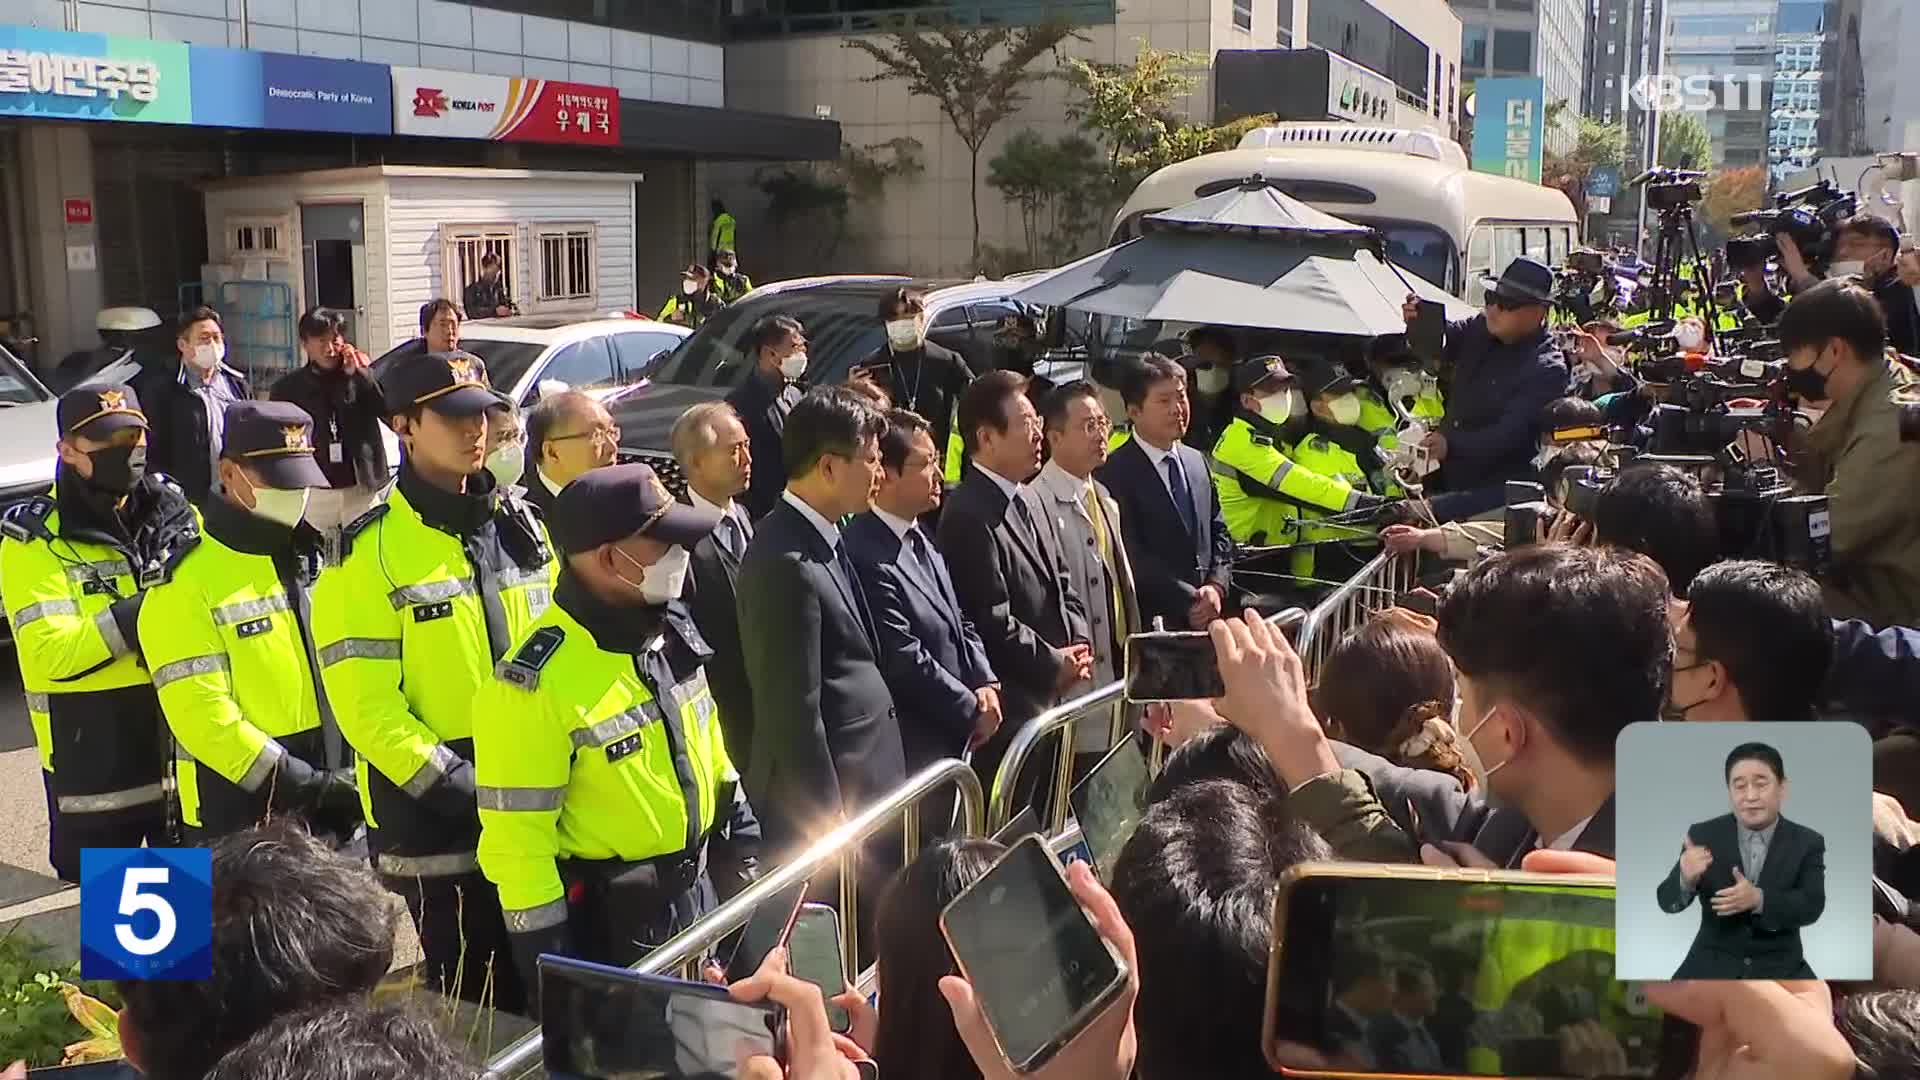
(333, 453)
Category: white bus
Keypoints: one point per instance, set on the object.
(1442, 220)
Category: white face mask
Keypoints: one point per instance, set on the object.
(1690, 334)
(1344, 409)
(794, 365)
(1210, 380)
(1402, 384)
(1477, 763)
(282, 506)
(689, 287)
(1848, 268)
(904, 334)
(206, 356)
(507, 462)
(1276, 408)
(662, 581)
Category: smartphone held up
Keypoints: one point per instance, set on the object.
(1181, 665)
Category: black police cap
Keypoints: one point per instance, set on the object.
(454, 383)
(601, 506)
(98, 411)
(275, 440)
(1253, 371)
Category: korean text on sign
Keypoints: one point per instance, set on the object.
(1520, 139)
(23, 72)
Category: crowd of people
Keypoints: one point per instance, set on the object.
(570, 709)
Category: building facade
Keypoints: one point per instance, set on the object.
(1547, 38)
(1625, 51)
(1889, 55)
(1731, 44)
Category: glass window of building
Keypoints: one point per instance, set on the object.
(1513, 50)
(1473, 48)
(1243, 14)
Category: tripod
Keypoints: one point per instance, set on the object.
(1678, 240)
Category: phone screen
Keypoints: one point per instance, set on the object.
(1038, 967)
(1428, 334)
(1172, 665)
(1454, 978)
(813, 954)
(763, 931)
(1024, 823)
(1109, 803)
(609, 1023)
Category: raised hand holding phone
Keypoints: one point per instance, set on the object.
(1266, 697)
(814, 1052)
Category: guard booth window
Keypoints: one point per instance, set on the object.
(467, 244)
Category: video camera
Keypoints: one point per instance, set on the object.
(1670, 189)
(1809, 216)
(1761, 518)
(1698, 418)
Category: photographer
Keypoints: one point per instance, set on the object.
(1835, 338)
(1865, 247)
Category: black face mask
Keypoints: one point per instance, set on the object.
(118, 469)
(1807, 383)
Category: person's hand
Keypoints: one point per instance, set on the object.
(1907, 265)
(1207, 605)
(1104, 1050)
(1267, 697)
(863, 1020)
(1401, 539)
(1756, 1029)
(1791, 261)
(814, 1052)
(1896, 955)
(502, 311)
(1891, 823)
(986, 716)
(1877, 264)
(1694, 860)
(1075, 664)
(1587, 1048)
(1556, 861)
(1451, 853)
(1588, 348)
(1567, 528)
(1436, 445)
(1740, 897)
(1410, 308)
(1174, 722)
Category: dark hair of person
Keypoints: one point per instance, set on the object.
(1835, 309)
(1767, 625)
(1058, 403)
(828, 420)
(1757, 751)
(1152, 370)
(1411, 978)
(1569, 412)
(349, 1040)
(916, 1036)
(431, 310)
(1883, 1029)
(1221, 752)
(1577, 635)
(321, 324)
(986, 402)
(1571, 456)
(900, 302)
(1875, 228)
(547, 413)
(771, 330)
(489, 259)
(1218, 336)
(294, 925)
(1196, 882)
(1374, 675)
(871, 392)
(189, 317)
(897, 441)
(1662, 513)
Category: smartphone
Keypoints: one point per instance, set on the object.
(765, 929)
(612, 1023)
(1039, 968)
(1180, 665)
(1493, 964)
(1428, 334)
(1024, 823)
(813, 954)
(1109, 802)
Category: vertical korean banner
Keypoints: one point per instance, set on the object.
(1509, 122)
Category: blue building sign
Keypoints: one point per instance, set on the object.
(240, 88)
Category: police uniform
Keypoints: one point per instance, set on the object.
(229, 640)
(433, 589)
(71, 568)
(729, 287)
(601, 766)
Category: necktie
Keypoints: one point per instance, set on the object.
(732, 538)
(917, 548)
(1182, 497)
(1756, 854)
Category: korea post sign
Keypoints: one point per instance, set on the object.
(1509, 120)
(462, 105)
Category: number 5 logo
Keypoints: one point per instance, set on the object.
(146, 913)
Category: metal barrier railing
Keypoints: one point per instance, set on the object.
(839, 848)
(1357, 599)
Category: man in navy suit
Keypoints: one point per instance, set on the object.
(933, 660)
(1170, 516)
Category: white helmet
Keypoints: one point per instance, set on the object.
(126, 319)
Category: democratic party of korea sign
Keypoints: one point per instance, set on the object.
(461, 105)
(1509, 118)
(64, 76)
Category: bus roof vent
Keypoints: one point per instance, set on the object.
(1389, 140)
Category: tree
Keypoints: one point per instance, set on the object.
(812, 200)
(1051, 183)
(978, 77)
(1730, 192)
(1684, 142)
(1596, 145)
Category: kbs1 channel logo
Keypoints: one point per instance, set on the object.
(146, 913)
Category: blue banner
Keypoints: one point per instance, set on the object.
(1509, 120)
(1604, 181)
(245, 89)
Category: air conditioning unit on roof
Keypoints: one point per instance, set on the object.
(1387, 140)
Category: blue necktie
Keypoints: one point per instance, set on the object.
(1182, 497)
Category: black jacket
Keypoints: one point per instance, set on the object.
(826, 741)
(177, 433)
(1763, 945)
(762, 404)
(483, 298)
(927, 380)
(1169, 563)
(711, 597)
(1495, 394)
(348, 411)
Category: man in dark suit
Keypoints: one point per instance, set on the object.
(1361, 995)
(568, 433)
(1764, 878)
(710, 445)
(1004, 555)
(826, 740)
(933, 659)
(778, 350)
(186, 404)
(1169, 513)
(1400, 1040)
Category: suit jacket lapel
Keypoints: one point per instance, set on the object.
(918, 575)
(848, 589)
(1783, 852)
(1027, 540)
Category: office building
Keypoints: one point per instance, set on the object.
(1547, 38)
(1889, 56)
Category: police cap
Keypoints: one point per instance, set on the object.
(1319, 377)
(1253, 371)
(604, 505)
(453, 383)
(275, 440)
(98, 411)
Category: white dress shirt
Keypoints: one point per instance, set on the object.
(547, 482)
(701, 502)
(900, 526)
(827, 528)
(1007, 487)
(1566, 840)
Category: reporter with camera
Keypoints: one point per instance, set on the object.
(1835, 338)
(1865, 248)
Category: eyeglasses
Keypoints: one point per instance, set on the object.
(602, 433)
(1098, 425)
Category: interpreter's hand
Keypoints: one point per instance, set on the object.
(1207, 605)
(1756, 1029)
(1401, 539)
(1436, 445)
(1452, 853)
(1587, 1048)
(986, 716)
(814, 1052)
(1074, 664)
(863, 1027)
(1738, 898)
(1266, 697)
(1104, 1050)
(1891, 823)
(1410, 308)
(1694, 860)
(1174, 722)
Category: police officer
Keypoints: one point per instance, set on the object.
(435, 584)
(602, 769)
(71, 565)
(229, 640)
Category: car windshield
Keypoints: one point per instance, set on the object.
(507, 361)
(841, 324)
(17, 387)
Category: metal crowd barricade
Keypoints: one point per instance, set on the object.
(682, 954)
(1371, 590)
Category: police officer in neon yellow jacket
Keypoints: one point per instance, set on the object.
(436, 584)
(70, 566)
(603, 774)
(229, 640)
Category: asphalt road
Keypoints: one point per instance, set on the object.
(23, 801)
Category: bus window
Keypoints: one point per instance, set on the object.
(1534, 244)
(1479, 263)
(1423, 249)
(1508, 245)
